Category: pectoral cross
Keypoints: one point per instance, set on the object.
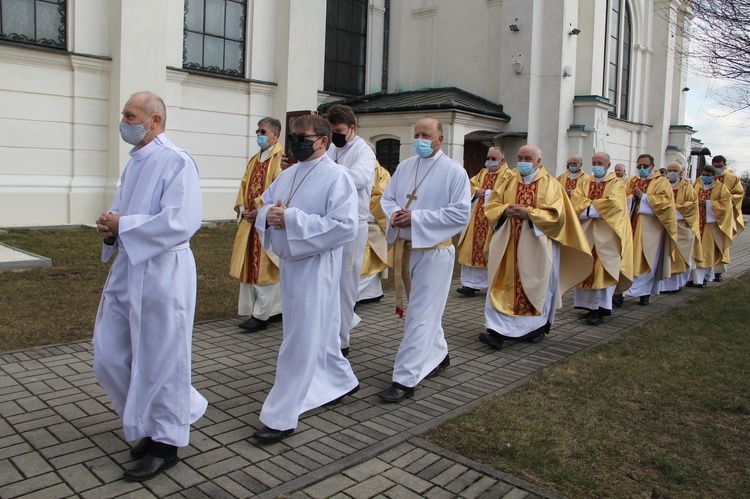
(412, 197)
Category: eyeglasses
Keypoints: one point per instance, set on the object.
(300, 137)
(260, 131)
(572, 164)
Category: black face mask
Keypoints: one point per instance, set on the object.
(302, 150)
(338, 139)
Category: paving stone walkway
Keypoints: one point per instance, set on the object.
(59, 437)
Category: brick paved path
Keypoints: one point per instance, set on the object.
(59, 437)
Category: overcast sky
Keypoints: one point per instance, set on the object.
(723, 133)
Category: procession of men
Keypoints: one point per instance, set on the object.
(319, 224)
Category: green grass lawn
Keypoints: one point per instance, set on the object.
(662, 412)
(58, 304)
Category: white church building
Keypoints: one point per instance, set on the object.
(571, 76)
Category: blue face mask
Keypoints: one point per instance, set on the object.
(598, 171)
(707, 179)
(643, 172)
(524, 168)
(574, 168)
(262, 141)
(422, 147)
(719, 171)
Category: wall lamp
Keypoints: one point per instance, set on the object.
(514, 27)
(574, 31)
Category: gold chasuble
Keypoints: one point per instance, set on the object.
(732, 182)
(647, 230)
(250, 264)
(715, 238)
(475, 237)
(688, 229)
(609, 237)
(520, 262)
(571, 183)
(376, 252)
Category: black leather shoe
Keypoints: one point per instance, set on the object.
(536, 339)
(338, 400)
(275, 318)
(370, 300)
(253, 325)
(701, 285)
(643, 300)
(396, 393)
(605, 312)
(345, 351)
(718, 278)
(440, 367)
(141, 448)
(467, 291)
(618, 300)
(268, 435)
(595, 318)
(491, 340)
(149, 467)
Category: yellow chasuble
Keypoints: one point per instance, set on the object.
(376, 252)
(609, 237)
(732, 182)
(250, 264)
(716, 238)
(688, 230)
(475, 237)
(647, 230)
(520, 262)
(571, 183)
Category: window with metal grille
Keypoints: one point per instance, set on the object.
(346, 37)
(214, 38)
(34, 22)
(388, 153)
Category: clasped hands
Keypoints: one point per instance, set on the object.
(250, 215)
(275, 217)
(108, 225)
(517, 211)
(401, 219)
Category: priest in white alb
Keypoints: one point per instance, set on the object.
(144, 326)
(427, 202)
(352, 152)
(309, 213)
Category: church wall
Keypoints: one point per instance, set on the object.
(61, 154)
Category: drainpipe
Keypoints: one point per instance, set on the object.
(386, 33)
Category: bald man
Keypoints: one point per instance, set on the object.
(620, 171)
(538, 252)
(427, 202)
(601, 205)
(574, 173)
(144, 327)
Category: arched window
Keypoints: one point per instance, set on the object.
(388, 153)
(619, 43)
(36, 22)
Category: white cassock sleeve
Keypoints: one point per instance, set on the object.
(431, 226)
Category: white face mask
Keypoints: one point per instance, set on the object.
(673, 176)
(492, 165)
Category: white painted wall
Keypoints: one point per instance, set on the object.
(61, 154)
